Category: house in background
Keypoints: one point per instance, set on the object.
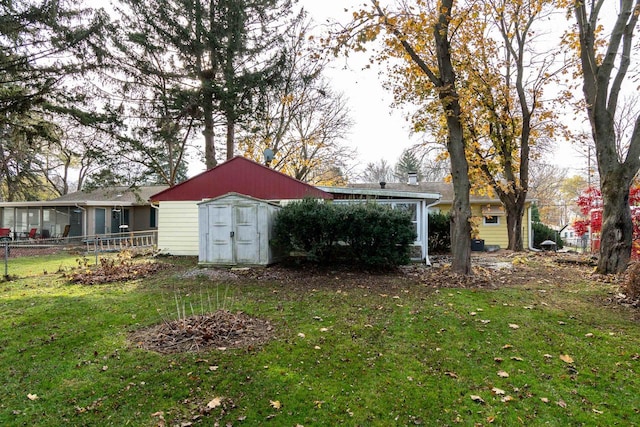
(99, 212)
(487, 212)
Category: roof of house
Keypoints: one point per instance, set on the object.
(367, 191)
(445, 189)
(114, 195)
(109, 196)
(243, 176)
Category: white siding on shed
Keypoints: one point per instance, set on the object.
(178, 228)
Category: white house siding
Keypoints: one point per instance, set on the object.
(178, 228)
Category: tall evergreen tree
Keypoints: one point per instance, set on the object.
(408, 163)
(226, 53)
(45, 46)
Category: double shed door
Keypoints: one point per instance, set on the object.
(233, 233)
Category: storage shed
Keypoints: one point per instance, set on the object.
(236, 229)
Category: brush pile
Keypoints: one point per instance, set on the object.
(219, 330)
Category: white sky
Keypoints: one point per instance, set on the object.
(380, 131)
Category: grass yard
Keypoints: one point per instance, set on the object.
(349, 348)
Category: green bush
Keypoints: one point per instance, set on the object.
(365, 234)
(541, 233)
(302, 226)
(439, 232)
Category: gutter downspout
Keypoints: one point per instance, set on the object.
(531, 248)
(426, 234)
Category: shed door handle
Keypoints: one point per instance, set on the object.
(232, 233)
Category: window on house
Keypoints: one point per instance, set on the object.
(491, 220)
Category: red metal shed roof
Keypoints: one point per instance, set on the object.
(242, 176)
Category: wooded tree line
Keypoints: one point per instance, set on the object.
(121, 96)
(90, 98)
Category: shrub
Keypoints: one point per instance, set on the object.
(439, 232)
(541, 233)
(367, 234)
(302, 226)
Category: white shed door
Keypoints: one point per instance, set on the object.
(246, 239)
(221, 233)
(233, 234)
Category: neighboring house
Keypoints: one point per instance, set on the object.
(178, 229)
(488, 215)
(98, 212)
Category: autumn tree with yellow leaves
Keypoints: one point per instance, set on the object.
(421, 36)
(503, 71)
(473, 70)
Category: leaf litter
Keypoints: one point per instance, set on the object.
(217, 330)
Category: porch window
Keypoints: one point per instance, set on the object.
(412, 209)
(8, 218)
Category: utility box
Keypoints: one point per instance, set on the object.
(235, 229)
(477, 245)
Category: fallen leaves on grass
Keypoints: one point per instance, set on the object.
(215, 402)
(477, 398)
(32, 396)
(503, 374)
(566, 358)
(114, 270)
(275, 404)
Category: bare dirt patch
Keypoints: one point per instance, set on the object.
(490, 270)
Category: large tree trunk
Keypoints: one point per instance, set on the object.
(230, 138)
(514, 226)
(603, 76)
(445, 86)
(461, 209)
(617, 229)
(460, 215)
(208, 132)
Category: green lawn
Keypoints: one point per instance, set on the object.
(355, 356)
